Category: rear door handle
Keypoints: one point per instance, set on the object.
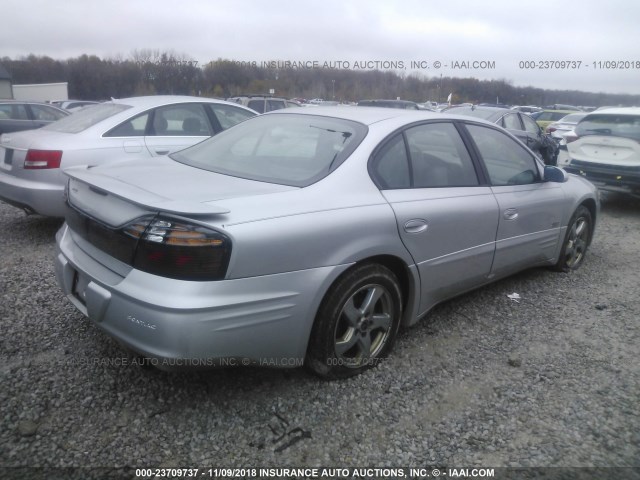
(416, 225)
(510, 214)
(162, 152)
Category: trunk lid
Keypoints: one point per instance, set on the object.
(120, 192)
(606, 150)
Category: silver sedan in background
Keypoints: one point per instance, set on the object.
(311, 234)
(31, 162)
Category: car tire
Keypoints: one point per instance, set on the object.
(576, 241)
(356, 324)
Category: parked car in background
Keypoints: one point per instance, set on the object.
(564, 125)
(526, 108)
(311, 234)
(562, 106)
(518, 124)
(558, 130)
(545, 117)
(403, 104)
(429, 105)
(140, 128)
(73, 105)
(605, 148)
(263, 103)
(16, 115)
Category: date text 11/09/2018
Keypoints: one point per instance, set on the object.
(338, 473)
(579, 64)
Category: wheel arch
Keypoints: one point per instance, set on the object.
(405, 280)
(408, 280)
(591, 205)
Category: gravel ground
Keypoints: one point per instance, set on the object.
(482, 381)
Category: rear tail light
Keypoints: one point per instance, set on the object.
(159, 245)
(42, 159)
(571, 137)
(180, 250)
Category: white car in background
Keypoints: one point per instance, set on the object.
(605, 149)
(558, 130)
(31, 162)
(564, 125)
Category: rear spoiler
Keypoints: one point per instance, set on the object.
(107, 185)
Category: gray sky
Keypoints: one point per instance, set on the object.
(598, 41)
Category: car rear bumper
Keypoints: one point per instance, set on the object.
(607, 176)
(35, 197)
(264, 321)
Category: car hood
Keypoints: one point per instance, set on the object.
(119, 192)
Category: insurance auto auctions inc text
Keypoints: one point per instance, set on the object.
(368, 473)
(366, 64)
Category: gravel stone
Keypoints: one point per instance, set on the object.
(482, 381)
(27, 428)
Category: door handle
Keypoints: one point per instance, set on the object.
(510, 214)
(162, 152)
(415, 226)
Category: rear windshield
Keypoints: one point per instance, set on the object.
(86, 118)
(573, 117)
(288, 149)
(616, 125)
(474, 112)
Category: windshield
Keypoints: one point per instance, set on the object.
(287, 149)
(616, 125)
(85, 118)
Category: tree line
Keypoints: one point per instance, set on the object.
(149, 72)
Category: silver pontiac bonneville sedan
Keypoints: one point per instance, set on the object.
(311, 234)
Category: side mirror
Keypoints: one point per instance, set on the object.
(555, 174)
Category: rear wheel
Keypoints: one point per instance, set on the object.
(357, 322)
(576, 241)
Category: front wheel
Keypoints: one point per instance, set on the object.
(357, 322)
(576, 241)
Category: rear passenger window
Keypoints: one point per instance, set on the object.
(131, 128)
(511, 122)
(274, 105)
(530, 125)
(507, 162)
(439, 157)
(229, 116)
(14, 112)
(390, 167)
(46, 113)
(187, 119)
(257, 105)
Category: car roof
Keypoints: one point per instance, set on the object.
(370, 115)
(494, 112)
(270, 97)
(30, 102)
(617, 111)
(485, 108)
(561, 111)
(383, 100)
(574, 114)
(157, 100)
